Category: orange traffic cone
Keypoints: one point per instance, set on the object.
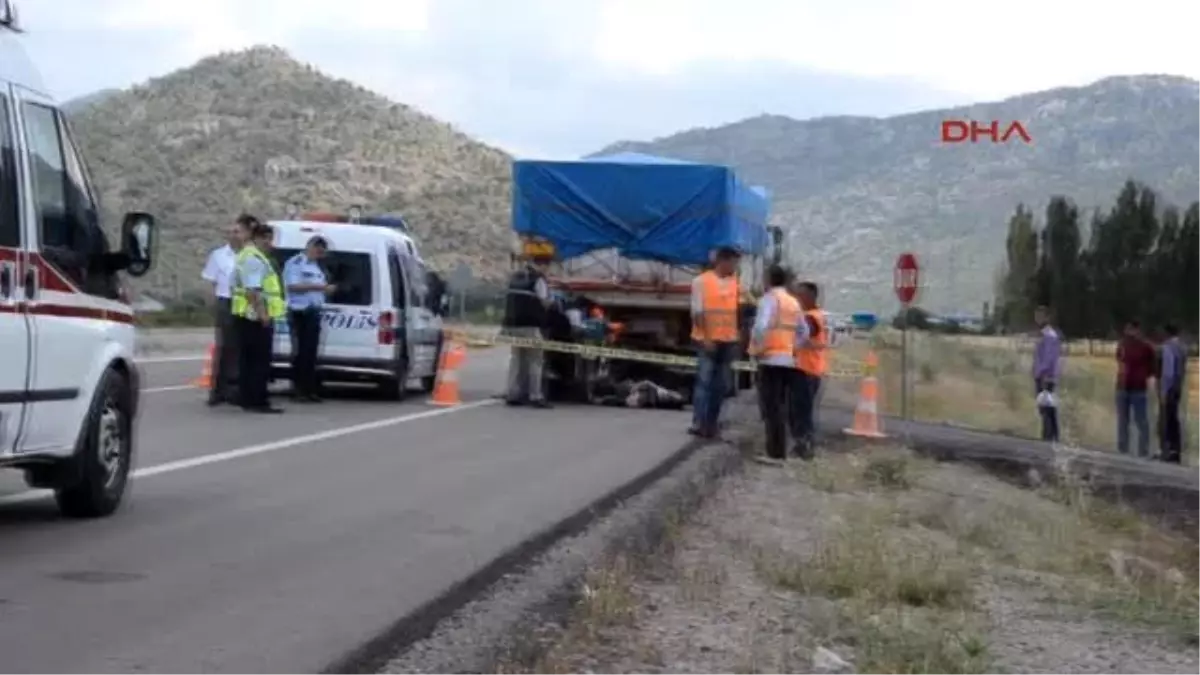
(866, 413)
(445, 390)
(205, 379)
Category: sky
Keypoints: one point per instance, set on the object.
(562, 78)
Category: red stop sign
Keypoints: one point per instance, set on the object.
(906, 278)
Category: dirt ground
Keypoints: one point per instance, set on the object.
(871, 559)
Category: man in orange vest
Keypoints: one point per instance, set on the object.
(811, 362)
(778, 329)
(715, 331)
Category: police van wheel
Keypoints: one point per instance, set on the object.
(396, 388)
(430, 381)
(105, 453)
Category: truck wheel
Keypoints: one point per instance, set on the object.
(744, 380)
(104, 455)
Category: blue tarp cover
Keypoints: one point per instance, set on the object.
(651, 208)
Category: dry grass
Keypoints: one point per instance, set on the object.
(896, 564)
(988, 387)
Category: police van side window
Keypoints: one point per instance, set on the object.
(69, 227)
(396, 277)
(420, 289)
(10, 220)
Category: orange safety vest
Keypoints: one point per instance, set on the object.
(780, 337)
(719, 319)
(812, 359)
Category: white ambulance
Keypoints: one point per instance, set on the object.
(383, 324)
(68, 380)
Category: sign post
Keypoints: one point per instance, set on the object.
(906, 278)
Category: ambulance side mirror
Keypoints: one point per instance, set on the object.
(139, 239)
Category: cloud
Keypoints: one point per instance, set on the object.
(564, 77)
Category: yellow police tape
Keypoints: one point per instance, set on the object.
(842, 368)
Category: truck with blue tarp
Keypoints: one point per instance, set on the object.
(628, 233)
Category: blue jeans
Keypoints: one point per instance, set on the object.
(712, 384)
(1137, 402)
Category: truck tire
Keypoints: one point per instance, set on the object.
(105, 454)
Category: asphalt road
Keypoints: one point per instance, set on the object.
(277, 544)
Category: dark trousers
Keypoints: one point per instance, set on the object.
(306, 341)
(254, 362)
(1171, 440)
(225, 347)
(1048, 413)
(804, 409)
(775, 390)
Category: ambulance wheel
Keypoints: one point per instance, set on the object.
(105, 453)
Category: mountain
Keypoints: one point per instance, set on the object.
(856, 191)
(80, 103)
(256, 131)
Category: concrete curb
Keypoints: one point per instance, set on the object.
(486, 620)
(1166, 492)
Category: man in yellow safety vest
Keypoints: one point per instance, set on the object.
(778, 328)
(258, 302)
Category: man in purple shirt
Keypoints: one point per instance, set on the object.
(1045, 372)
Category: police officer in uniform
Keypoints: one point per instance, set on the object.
(525, 310)
(258, 302)
(307, 287)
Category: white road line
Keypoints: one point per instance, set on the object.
(169, 359)
(263, 448)
(175, 387)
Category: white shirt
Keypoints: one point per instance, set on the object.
(219, 270)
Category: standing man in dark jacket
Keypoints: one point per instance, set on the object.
(525, 308)
(1170, 383)
(1135, 367)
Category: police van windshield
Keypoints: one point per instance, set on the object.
(350, 271)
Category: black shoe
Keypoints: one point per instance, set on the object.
(214, 400)
(314, 398)
(514, 402)
(541, 403)
(694, 431)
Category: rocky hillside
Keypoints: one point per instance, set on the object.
(855, 191)
(256, 130)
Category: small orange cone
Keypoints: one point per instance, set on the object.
(866, 413)
(205, 379)
(445, 390)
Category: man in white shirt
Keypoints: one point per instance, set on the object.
(218, 271)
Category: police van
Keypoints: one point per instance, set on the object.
(383, 323)
(68, 380)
